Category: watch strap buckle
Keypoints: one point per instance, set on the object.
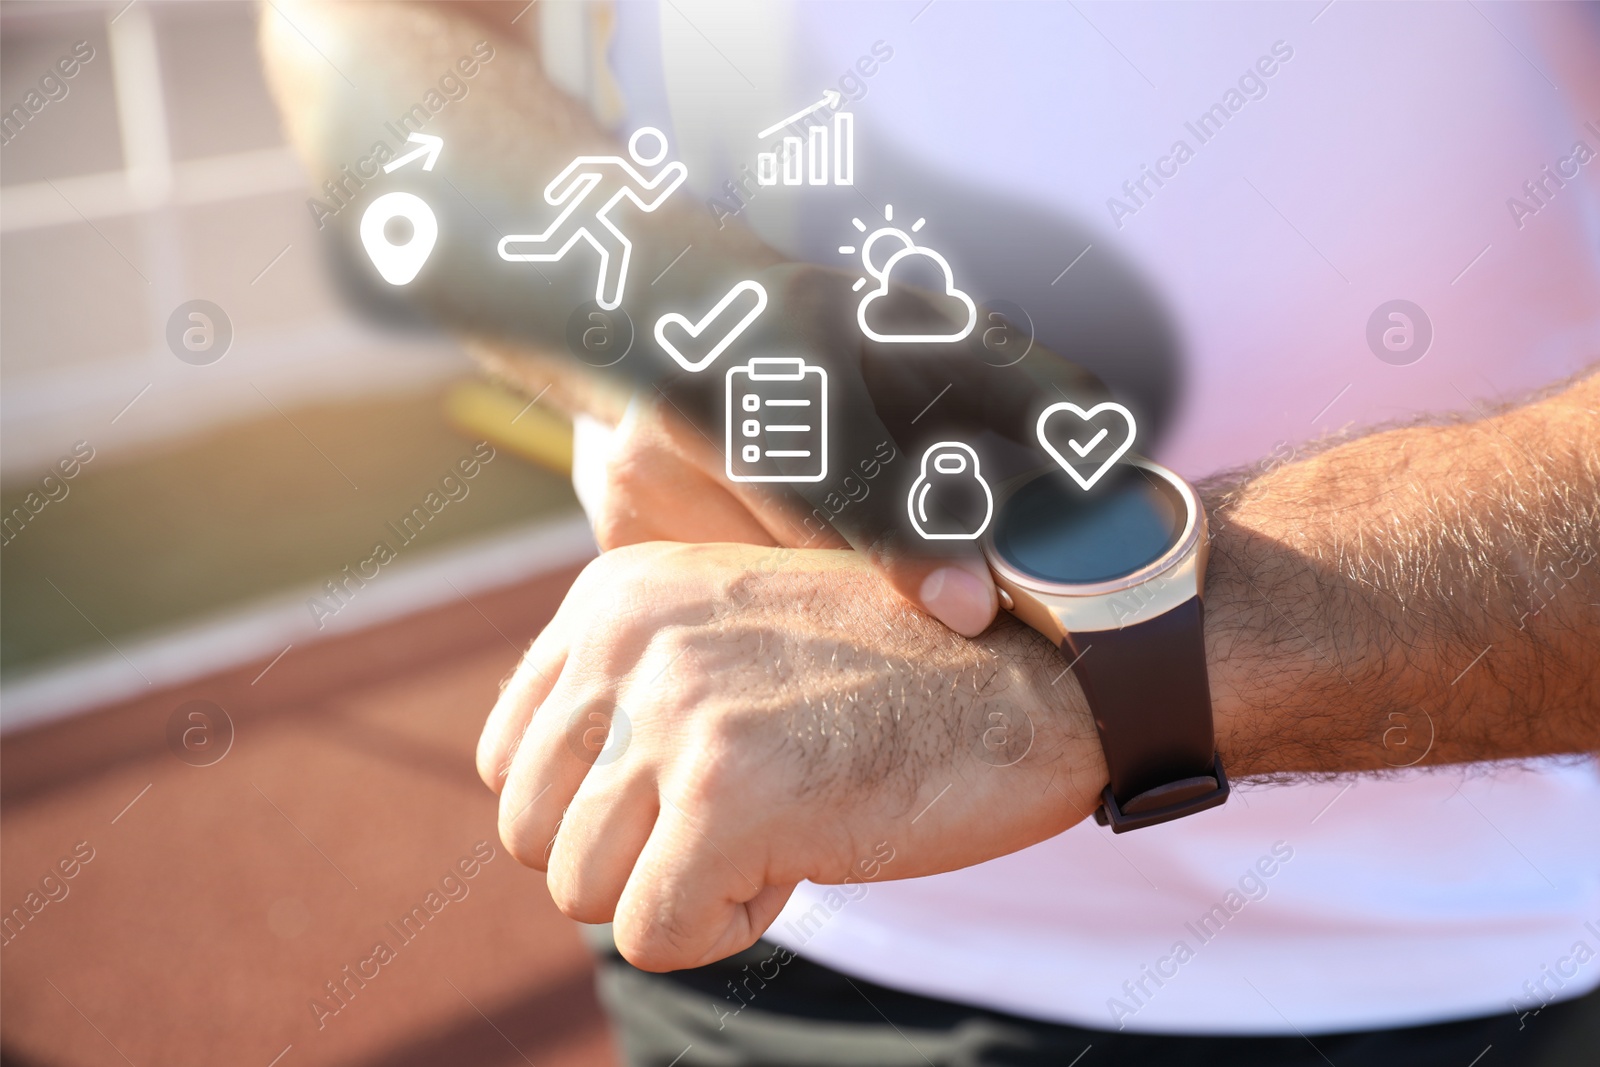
(1171, 800)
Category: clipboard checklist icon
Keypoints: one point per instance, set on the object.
(777, 421)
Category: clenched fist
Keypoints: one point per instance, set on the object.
(702, 726)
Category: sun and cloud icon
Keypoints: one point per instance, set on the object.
(906, 251)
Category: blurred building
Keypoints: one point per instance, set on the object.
(223, 491)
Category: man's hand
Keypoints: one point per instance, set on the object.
(768, 716)
(1412, 598)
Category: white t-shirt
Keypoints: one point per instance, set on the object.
(1333, 161)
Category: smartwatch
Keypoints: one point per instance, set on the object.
(1113, 576)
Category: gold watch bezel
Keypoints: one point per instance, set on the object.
(1056, 609)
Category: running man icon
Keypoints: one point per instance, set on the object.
(585, 182)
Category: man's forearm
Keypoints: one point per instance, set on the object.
(508, 132)
(1419, 596)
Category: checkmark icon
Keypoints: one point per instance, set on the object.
(1084, 450)
(694, 330)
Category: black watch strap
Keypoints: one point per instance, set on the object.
(1147, 688)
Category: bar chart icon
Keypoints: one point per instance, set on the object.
(826, 151)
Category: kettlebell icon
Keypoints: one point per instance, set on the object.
(950, 501)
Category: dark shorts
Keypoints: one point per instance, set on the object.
(804, 1014)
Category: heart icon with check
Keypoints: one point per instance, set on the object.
(712, 320)
(1096, 438)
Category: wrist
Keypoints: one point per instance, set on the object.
(1066, 751)
(1288, 645)
(1237, 612)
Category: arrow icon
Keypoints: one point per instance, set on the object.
(428, 146)
(830, 99)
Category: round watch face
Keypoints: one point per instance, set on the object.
(1052, 530)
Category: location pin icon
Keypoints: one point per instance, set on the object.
(399, 263)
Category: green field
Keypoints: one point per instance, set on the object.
(253, 509)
